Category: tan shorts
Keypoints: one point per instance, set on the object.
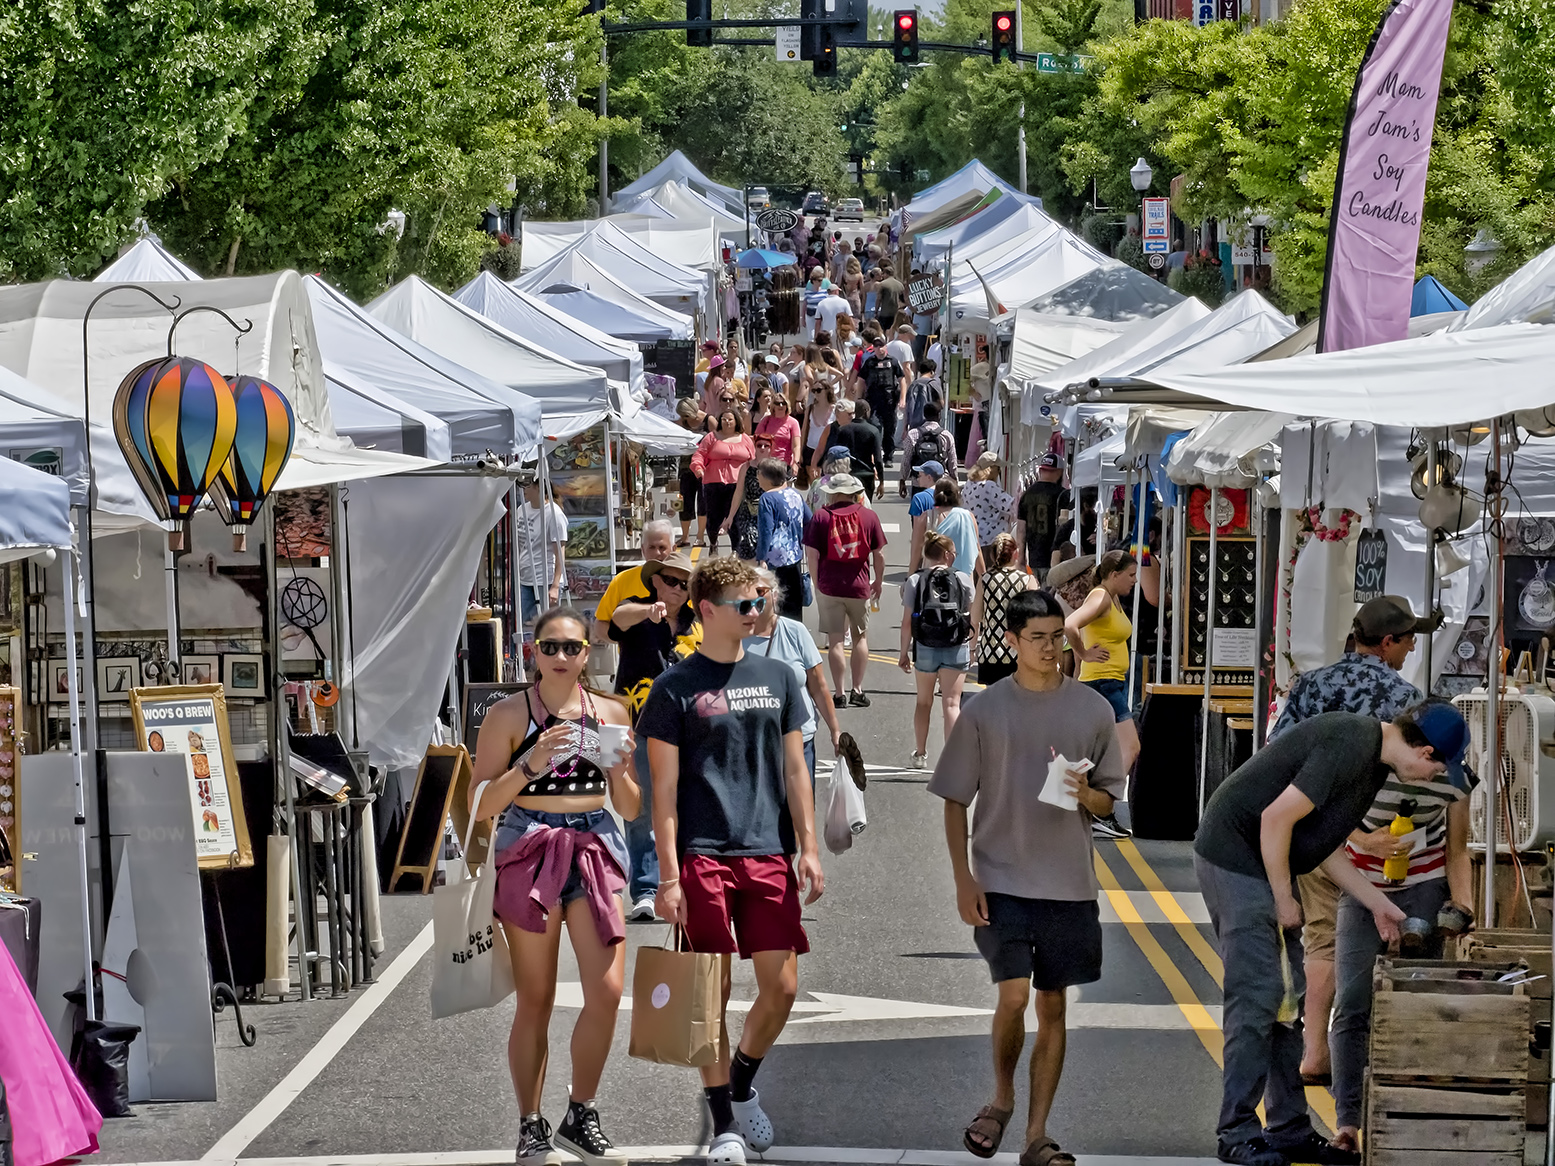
(1319, 907)
(836, 614)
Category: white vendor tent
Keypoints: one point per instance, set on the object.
(36, 432)
(678, 167)
(1527, 296)
(1114, 292)
(373, 419)
(1141, 337)
(1019, 279)
(1234, 451)
(361, 350)
(540, 242)
(999, 222)
(683, 204)
(551, 328)
(589, 294)
(147, 259)
(1243, 326)
(1041, 342)
(973, 178)
(572, 396)
(34, 511)
(614, 251)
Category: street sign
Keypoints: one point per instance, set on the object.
(777, 221)
(787, 38)
(1059, 63)
(926, 294)
(1156, 261)
(1157, 232)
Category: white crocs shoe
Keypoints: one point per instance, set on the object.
(754, 1123)
(727, 1150)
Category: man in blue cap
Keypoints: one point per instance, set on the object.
(1285, 812)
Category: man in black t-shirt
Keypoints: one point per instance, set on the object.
(1037, 515)
(885, 386)
(732, 803)
(1285, 812)
(863, 444)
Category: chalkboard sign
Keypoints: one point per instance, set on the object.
(1371, 566)
(478, 699)
(673, 358)
(443, 778)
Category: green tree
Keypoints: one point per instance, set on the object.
(100, 102)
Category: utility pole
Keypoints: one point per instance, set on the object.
(604, 142)
(1020, 47)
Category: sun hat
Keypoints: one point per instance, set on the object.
(842, 484)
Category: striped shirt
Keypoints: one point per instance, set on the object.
(1431, 799)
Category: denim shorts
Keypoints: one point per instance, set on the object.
(516, 821)
(1116, 692)
(927, 659)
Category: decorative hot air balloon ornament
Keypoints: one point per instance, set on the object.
(265, 431)
(175, 419)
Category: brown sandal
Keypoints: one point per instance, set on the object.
(1045, 1152)
(989, 1123)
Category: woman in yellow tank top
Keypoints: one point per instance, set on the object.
(1098, 631)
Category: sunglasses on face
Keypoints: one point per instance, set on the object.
(556, 647)
(672, 581)
(745, 606)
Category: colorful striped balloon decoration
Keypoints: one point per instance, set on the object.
(266, 429)
(175, 419)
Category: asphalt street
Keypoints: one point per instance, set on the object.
(885, 1060)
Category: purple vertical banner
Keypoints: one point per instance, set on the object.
(1379, 194)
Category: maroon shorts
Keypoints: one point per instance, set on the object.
(754, 900)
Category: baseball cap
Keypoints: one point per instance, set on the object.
(835, 453)
(1391, 615)
(1048, 461)
(930, 467)
(1443, 726)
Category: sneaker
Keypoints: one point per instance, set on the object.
(585, 1140)
(642, 911)
(753, 1123)
(729, 1150)
(534, 1144)
(920, 761)
(1109, 827)
(1255, 1151)
(857, 699)
(839, 700)
(1317, 1149)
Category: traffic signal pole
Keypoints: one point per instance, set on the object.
(1020, 44)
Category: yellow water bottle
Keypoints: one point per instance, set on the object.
(1396, 867)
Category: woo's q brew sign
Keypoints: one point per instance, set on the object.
(1374, 232)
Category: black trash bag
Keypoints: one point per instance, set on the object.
(101, 1058)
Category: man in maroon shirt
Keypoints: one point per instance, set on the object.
(846, 545)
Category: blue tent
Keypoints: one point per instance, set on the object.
(1431, 296)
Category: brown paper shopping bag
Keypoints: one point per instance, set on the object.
(677, 1006)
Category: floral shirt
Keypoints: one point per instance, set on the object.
(1352, 684)
(781, 517)
(991, 506)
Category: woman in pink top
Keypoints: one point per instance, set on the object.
(781, 427)
(717, 462)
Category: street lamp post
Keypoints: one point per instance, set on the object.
(1139, 176)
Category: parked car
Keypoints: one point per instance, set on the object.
(757, 198)
(850, 208)
(815, 203)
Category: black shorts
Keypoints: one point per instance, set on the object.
(1052, 942)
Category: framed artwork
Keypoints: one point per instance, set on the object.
(191, 720)
(59, 682)
(117, 676)
(243, 676)
(200, 670)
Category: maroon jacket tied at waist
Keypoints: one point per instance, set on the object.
(532, 872)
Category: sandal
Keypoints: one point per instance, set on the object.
(989, 1123)
(1045, 1152)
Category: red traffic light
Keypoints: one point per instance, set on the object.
(1003, 22)
(905, 20)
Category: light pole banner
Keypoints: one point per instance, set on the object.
(1374, 233)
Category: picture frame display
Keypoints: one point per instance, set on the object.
(200, 670)
(117, 677)
(191, 720)
(243, 676)
(59, 682)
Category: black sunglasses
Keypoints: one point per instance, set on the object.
(555, 647)
(671, 581)
(745, 606)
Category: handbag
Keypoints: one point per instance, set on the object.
(807, 589)
(677, 1005)
(470, 966)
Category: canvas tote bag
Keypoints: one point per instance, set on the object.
(470, 967)
(677, 1005)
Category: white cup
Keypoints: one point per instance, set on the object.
(612, 744)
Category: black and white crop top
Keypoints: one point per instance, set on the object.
(575, 773)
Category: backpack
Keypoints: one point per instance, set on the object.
(845, 536)
(919, 394)
(928, 447)
(880, 374)
(941, 618)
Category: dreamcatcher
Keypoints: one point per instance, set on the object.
(305, 607)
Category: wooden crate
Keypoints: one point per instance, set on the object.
(1532, 948)
(1441, 1021)
(1413, 1126)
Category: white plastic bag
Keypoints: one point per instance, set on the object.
(845, 815)
(470, 967)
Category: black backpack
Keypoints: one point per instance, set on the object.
(942, 619)
(928, 447)
(881, 374)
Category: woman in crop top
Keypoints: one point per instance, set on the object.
(560, 857)
(1098, 633)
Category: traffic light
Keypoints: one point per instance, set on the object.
(1003, 36)
(905, 47)
(810, 13)
(699, 10)
(825, 62)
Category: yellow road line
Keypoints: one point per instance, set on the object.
(1321, 1100)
